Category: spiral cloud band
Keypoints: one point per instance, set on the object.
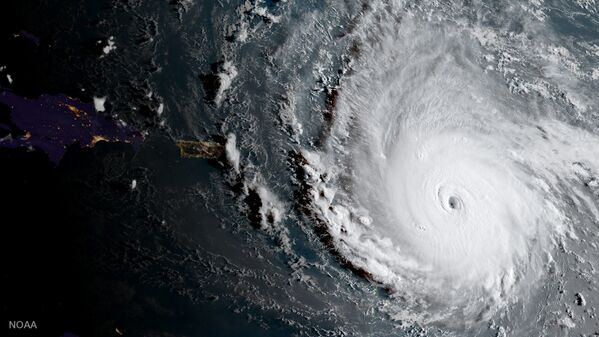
(443, 185)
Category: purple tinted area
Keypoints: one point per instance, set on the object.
(30, 37)
(52, 123)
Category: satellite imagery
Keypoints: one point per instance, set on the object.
(266, 168)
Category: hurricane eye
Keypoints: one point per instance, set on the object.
(453, 202)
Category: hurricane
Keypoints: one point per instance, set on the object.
(442, 162)
(455, 188)
(457, 157)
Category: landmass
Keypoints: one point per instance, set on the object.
(200, 149)
(53, 123)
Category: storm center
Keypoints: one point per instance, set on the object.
(453, 202)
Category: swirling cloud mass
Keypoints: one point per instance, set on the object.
(445, 185)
